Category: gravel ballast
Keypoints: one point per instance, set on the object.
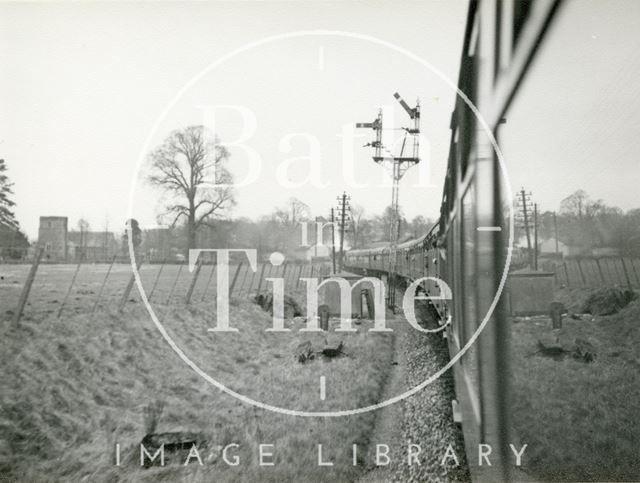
(424, 419)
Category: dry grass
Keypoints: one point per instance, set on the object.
(52, 281)
(74, 387)
(580, 420)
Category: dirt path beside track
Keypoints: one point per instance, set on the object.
(424, 419)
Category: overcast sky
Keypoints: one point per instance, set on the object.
(83, 85)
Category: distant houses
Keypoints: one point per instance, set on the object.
(91, 245)
(552, 247)
(61, 245)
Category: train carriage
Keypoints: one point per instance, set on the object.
(468, 247)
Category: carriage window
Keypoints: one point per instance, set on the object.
(570, 144)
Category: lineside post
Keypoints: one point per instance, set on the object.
(584, 280)
(104, 282)
(284, 274)
(600, 270)
(206, 288)
(333, 240)
(264, 265)
(155, 282)
(633, 268)
(242, 283)
(535, 236)
(253, 277)
(175, 282)
(626, 274)
(235, 278)
(127, 290)
(194, 279)
(299, 275)
(24, 296)
(73, 279)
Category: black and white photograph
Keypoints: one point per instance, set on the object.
(320, 241)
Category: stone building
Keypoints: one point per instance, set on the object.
(52, 236)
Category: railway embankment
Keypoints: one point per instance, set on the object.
(85, 383)
(559, 396)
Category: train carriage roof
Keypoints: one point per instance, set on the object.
(420, 241)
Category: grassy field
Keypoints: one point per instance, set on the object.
(580, 419)
(73, 387)
(173, 280)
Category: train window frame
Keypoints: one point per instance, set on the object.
(468, 225)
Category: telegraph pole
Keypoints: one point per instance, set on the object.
(342, 211)
(555, 229)
(526, 224)
(535, 227)
(315, 245)
(105, 241)
(333, 240)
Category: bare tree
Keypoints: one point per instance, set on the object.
(357, 216)
(189, 167)
(580, 205)
(293, 212)
(419, 226)
(288, 218)
(383, 223)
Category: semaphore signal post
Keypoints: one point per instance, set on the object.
(398, 166)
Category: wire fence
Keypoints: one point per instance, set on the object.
(37, 288)
(594, 272)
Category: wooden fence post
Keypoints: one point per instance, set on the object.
(24, 296)
(127, 290)
(284, 274)
(615, 272)
(175, 282)
(633, 268)
(253, 277)
(299, 275)
(206, 288)
(194, 279)
(235, 278)
(626, 274)
(244, 278)
(66, 297)
(600, 270)
(155, 282)
(264, 265)
(566, 273)
(104, 282)
(584, 280)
